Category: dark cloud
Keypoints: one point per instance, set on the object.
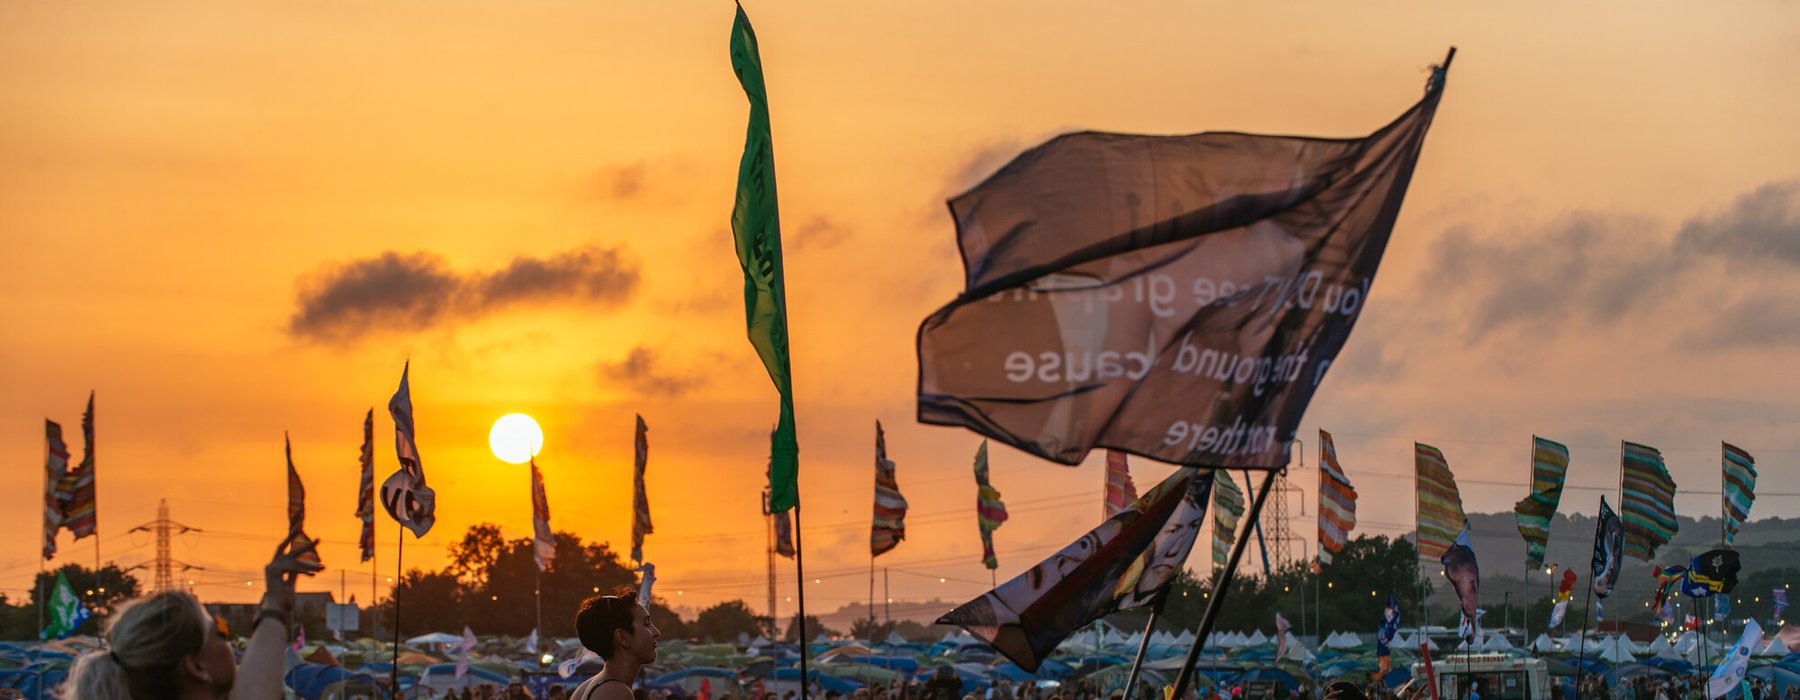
(409, 292)
(1759, 228)
(643, 371)
(1763, 320)
(621, 182)
(818, 233)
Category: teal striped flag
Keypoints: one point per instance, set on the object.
(1646, 500)
(1228, 509)
(1549, 465)
(1740, 487)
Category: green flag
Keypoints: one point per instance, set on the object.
(756, 226)
(66, 610)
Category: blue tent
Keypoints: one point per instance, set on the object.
(1784, 675)
(1011, 673)
(26, 681)
(1273, 674)
(792, 675)
(310, 680)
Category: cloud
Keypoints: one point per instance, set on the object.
(1761, 227)
(819, 232)
(621, 183)
(415, 291)
(644, 372)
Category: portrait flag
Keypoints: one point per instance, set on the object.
(989, 511)
(56, 467)
(365, 488)
(1337, 502)
(1464, 574)
(889, 525)
(1646, 500)
(66, 610)
(1110, 278)
(1440, 506)
(299, 545)
(1729, 674)
(1228, 510)
(79, 514)
(1385, 631)
(405, 496)
(1740, 487)
(1125, 563)
(543, 541)
(1549, 466)
(1120, 492)
(640, 497)
(1609, 541)
(756, 228)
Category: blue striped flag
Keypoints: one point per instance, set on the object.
(1549, 465)
(1646, 501)
(1740, 487)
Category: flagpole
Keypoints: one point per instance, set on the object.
(1581, 643)
(800, 594)
(1144, 646)
(1220, 587)
(1531, 464)
(399, 555)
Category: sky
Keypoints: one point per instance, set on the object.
(237, 220)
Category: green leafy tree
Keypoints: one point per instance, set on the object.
(725, 621)
(870, 629)
(814, 628)
(667, 622)
(429, 602)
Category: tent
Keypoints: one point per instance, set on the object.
(434, 638)
(1256, 638)
(1543, 644)
(441, 677)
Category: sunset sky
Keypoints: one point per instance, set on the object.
(233, 219)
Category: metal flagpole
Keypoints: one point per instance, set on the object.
(399, 555)
(800, 595)
(1144, 645)
(1220, 587)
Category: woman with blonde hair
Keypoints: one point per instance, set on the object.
(166, 646)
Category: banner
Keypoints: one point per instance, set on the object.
(756, 228)
(1730, 672)
(1384, 633)
(1127, 562)
(1646, 501)
(1564, 593)
(543, 541)
(989, 511)
(1712, 572)
(1740, 487)
(1228, 510)
(1549, 466)
(1609, 539)
(1112, 278)
(640, 497)
(299, 545)
(404, 495)
(66, 610)
(1337, 502)
(79, 513)
(1120, 492)
(1464, 574)
(56, 467)
(1439, 503)
(889, 524)
(365, 488)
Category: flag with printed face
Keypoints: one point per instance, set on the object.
(1609, 542)
(1337, 502)
(1549, 466)
(1740, 487)
(1385, 631)
(1646, 501)
(299, 545)
(543, 541)
(1731, 671)
(1125, 563)
(56, 467)
(640, 498)
(1112, 278)
(79, 514)
(1120, 492)
(66, 610)
(1464, 574)
(1439, 502)
(365, 489)
(404, 495)
(990, 512)
(889, 525)
(1228, 510)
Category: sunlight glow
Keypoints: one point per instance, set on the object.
(512, 434)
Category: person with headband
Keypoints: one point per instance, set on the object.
(166, 646)
(620, 631)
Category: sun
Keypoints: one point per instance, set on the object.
(515, 438)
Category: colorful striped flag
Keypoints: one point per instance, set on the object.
(298, 545)
(1740, 487)
(1440, 510)
(1120, 492)
(1549, 466)
(543, 541)
(1647, 500)
(889, 526)
(1337, 502)
(1228, 509)
(56, 466)
(989, 511)
(78, 504)
(365, 489)
(640, 498)
(756, 228)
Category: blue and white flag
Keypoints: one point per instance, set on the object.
(1731, 671)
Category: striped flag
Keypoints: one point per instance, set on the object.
(784, 534)
(56, 466)
(298, 545)
(989, 511)
(365, 489)
(543, 541)
(1647, 500)
(1549, 465)
(405, 496)
(1337, 501)
(1120, 492)
(640, 499)
(889, 525)
(78, 504)
(1228, 509)
(1740, 487)
(1440, 510)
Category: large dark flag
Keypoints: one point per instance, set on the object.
(640, 497)
(79, 513)
(405, 496)
(756, 226)
(889, 524)
(56, 468)
(365, 488)
(1127, 562)
(1646, 500)
(299, 545)
(1549, 465)
(1712, 572)
(1110, 279)
(1609, 543)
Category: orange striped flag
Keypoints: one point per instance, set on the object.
(1440, 507)
(1337, 502)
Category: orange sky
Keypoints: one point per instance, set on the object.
(1600, 244)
